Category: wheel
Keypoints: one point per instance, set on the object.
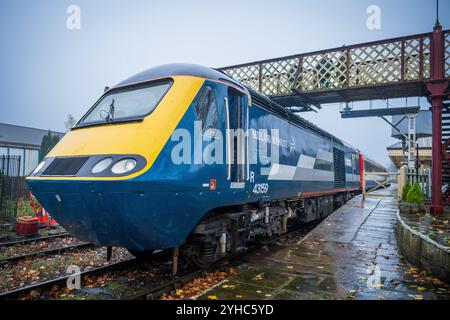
(263, 240)
(142, 255)
(200, 262)
(201, 255)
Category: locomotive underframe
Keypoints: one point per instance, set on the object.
(226, 231)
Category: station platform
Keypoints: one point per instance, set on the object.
(350, 255)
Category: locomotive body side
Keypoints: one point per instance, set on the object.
(183, 172)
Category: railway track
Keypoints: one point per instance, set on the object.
(34, 239)
(174, 284)
(61, 281)
(156, 291)
(74, 247)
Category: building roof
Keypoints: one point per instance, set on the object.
(19, 136)
(424, 143)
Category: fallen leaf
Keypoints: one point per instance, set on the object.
(229, 286)
(212, 297)
(436, 281)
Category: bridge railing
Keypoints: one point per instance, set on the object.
(397, 60)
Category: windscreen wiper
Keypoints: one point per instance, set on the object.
(110, 116)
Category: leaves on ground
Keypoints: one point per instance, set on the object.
(39, 269)
(201, 284)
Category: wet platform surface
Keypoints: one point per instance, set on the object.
(351, 255)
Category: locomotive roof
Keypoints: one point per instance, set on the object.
(187, 69)
(275, 108)
(177, 69)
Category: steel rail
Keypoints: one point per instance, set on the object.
(173, 284)
(32, 239)
(55, 251)
(17, 293)
(157, 291)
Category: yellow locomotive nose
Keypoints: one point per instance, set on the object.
(145, 137)
(96, 183)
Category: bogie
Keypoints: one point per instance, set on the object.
(224, 233)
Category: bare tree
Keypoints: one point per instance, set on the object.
(70, 122)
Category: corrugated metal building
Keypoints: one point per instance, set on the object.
(24, 142)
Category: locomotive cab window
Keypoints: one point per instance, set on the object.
(206, 109)
(130, 103)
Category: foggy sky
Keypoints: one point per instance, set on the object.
(49, 71)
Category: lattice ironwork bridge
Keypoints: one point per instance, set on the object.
(411, 66)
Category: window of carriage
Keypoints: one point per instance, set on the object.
(206, 109)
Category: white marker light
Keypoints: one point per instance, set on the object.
(101, 165)
(124, 166)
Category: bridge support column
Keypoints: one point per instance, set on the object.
(437, 87)
(436, 191)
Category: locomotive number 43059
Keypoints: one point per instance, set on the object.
(261, 188)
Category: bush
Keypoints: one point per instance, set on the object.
(24, 208)
(415, 194)
(405, 190)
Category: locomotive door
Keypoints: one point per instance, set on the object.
(236, 115)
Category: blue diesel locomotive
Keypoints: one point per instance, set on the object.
(183, 156)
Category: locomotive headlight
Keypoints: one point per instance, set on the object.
(39, 167)
(123, 166)
(101, 165)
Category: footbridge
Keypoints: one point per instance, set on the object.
(411, 66)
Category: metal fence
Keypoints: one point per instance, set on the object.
(12, 187)
(423, 179)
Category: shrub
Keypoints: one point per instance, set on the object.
(415, 194)
(24, 208)
(405, 190)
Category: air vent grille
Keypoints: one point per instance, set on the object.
(65, 166)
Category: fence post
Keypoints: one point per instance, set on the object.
(402, 176)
